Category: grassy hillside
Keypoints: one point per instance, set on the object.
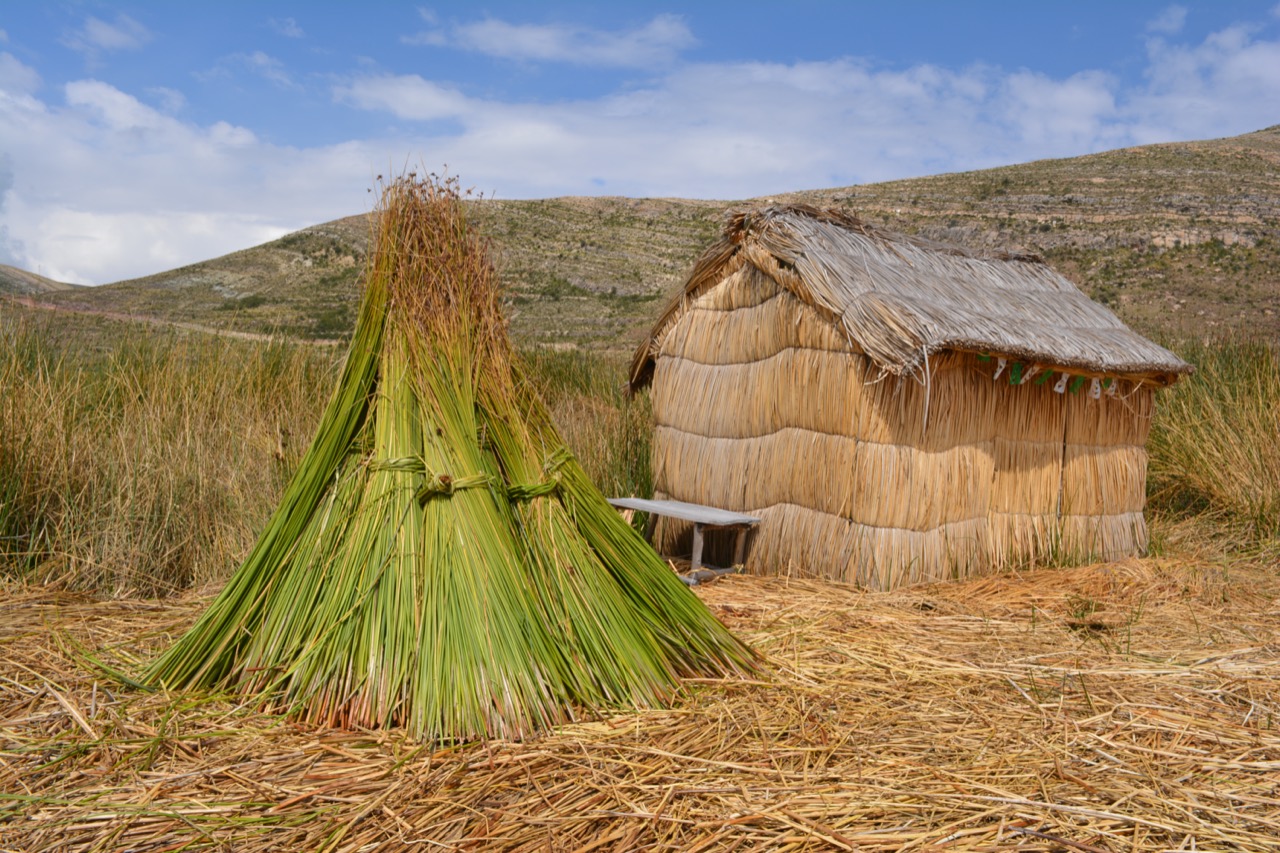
(19, 282)
(1177, 238)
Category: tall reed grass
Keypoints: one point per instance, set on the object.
(610, 433)
(147, 464)
(1215, 441)
(146, 467)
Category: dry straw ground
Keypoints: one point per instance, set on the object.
(1133, 706)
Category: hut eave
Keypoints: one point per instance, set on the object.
(901, 299)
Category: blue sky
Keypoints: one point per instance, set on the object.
(136, 137)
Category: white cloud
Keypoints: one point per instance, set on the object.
(1064, 115)
(17, 79)
(267, 67)
(658, 42)
(286, 27)
(98, 185)
(71, 240)
(170, 100)
(433, 37)
(1169, 22)
(426, 38)
(1228, 83)
(4, 37)
(9, 248)
(406, 96)
(257, 63)
(97, 35)
(698, 131)
(108, 107)
(104, 187)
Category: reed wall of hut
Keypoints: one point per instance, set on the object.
(765, 405)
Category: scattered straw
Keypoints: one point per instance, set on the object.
(1131, 706)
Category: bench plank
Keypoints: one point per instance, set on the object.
(701, 516)
(696, 513)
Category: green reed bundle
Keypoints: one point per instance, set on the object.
(440, 560)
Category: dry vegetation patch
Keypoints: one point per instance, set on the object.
(995, 714)
(1176, 238)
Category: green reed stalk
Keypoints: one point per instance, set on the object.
(440, 560)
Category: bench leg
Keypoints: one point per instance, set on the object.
(650, 526)
(696, 562)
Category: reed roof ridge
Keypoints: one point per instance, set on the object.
(741, 223)
(902, 298)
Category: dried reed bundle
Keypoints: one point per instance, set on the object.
(440, 561)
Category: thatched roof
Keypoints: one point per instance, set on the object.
(901, 299)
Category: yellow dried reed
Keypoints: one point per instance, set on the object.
(1133, 706)
(881, 479)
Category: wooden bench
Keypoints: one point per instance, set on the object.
(702, 517)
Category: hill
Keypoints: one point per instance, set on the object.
(1177, 238)
(19, 282)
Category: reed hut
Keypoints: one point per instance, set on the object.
(896, 410)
